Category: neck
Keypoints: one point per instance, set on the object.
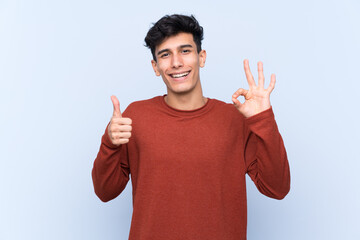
(186, 101)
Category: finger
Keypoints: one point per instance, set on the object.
(240, 92)
(272, 83)
(236, 102)
(117, 121)
(123, 140)
(115, 135)
(125, 121)
(125, 135)
(249, 76)
(120, 141)
(121, 128)
(116, 104)
(261, 74)
(125, 128)
(120, 135)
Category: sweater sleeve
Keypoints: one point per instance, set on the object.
(265, 155)
(111, 169)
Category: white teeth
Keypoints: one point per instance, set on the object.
(179, 75)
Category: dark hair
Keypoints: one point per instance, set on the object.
(171, 25)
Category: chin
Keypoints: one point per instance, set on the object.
(181, 90)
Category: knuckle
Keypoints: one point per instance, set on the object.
(122, 121)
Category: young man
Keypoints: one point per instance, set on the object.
(188, 154)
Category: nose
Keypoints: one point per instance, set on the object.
(177, 61)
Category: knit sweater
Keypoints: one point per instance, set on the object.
(188, 169)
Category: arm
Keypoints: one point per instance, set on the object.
(265, 154)
(111, 169)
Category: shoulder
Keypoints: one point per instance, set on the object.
(228, 109)
(145, 103)
(142, 106)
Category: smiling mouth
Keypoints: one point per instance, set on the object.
(179, 75)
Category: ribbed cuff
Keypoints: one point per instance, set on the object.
(267, 115)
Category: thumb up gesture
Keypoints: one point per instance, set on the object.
(119, 129)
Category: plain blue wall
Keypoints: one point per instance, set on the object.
(60, 61)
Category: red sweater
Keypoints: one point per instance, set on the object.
(188, 169)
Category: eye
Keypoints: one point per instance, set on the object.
(164, 55)
(185, 51)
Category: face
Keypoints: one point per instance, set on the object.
(178, 63)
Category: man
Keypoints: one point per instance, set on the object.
(188, 154)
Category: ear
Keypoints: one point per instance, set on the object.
(202, 58)
(154, 65)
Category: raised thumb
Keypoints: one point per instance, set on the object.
(116, 104)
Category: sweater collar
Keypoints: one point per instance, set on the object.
(183, 113)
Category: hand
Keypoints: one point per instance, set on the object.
(119, 129)
(257, 99)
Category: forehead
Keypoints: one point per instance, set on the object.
(175, 41)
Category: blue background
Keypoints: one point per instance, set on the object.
(60, 61)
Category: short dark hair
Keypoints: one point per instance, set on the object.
(171, 25)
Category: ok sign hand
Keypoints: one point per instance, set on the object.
(257, 98)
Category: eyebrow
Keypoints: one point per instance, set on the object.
(180, 47)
